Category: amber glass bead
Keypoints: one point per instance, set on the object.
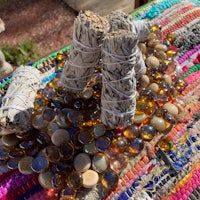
(52, 153)
(181, 83)
(171, 53)
(74, 180)
(119, 162)
(67, 151)
(102, 143)
(147, 132)
(161, 100)
(119, 144)
(60, 56)
(157, 77)
(131, 132)
(166, 143)
(156, 28)
(171, 37)
(135, 146)
(109, 179)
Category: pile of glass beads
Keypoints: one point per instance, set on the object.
(69, 146)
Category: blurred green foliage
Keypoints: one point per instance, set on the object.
(22, 53)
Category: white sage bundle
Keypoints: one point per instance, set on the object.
(18, 102)
(118, 97)
(89, 30)
(5, 68)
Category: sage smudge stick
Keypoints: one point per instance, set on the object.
(118, 97)
(18, 102)
(84, 55)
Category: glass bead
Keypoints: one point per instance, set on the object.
(161, 100)
(109, 179)
(119, 162)
(171, 53)
(9, 140)
(24, 165)
(75, 116)
(43, 138)
(157, 77)
(160, 55)
(67, 194)
(147, 132)
(136, 146)
(27, 144)
(102, 143)
(152, 61)
(60, 137)
(13, 163)
(82, 162)
(138, 119)
(99, 130)
(90, 148)
(158, 123)
(15, 153)
(171, 37)
(39, 103)
(48, 93)
(171, 67)
(24, 135)
(90, 178)
(45, 179)
(119, 144)
(39, 164)
(48, 114)
(166, 143)
(87, 93)
(131, 132)
(75, 180)
(85, 137)
(52, 154)
(4, 154)
(155, 28)
(62, 121)
(38, 122)
(67, 151)
(60, 56)
(181, 83)
(68, 100)
(57, 181)
(143, 48)
(99, 162)
(52, 127)
(152, 43)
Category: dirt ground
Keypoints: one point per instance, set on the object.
(48, 22)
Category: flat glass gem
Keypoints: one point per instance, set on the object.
(24, 165)
(85, 137)
(9, 140)
(82, 162)
(90, 148)
(68, 194)
(14, 153)
(75, 116)
(118, 162)
(48, 114)
(75, 180)
(90, 178)
(45, 179)
(56, 181)
(136, 146)
(38, 122)
(109, 179)
(147, 132)
(99, 130)
(52, 154)
(67, 151)
(99, 162)
(52, 127)
(27, 144)
(61, 121)
(131, 132)
(102, 143)
(60, 137)
(13, 163)
(39, 164)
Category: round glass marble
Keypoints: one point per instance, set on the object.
(147, 132)
(135, 146)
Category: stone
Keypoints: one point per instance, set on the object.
(158, 123)
(152, 61)
(154, 87)
(161, 47)
(90, 178)
(171, 108)
(82, 162)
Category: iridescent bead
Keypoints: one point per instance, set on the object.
(166, 143)
(85, 137)
(67, 151)
(131, 132)
(75, 180)
(60, 137)
(119, 144)
(171, 37)
(118, 162)
(158, 123)
(90, 178)
(9, 140)
(90, 148)
(136, 146)
(99, 162)
(99, 130)
(39, 164)
(147, 132)
(102, 143)
(109, 179)
(24, 165)
(82, 162)
(52, 153)
(38, 122)
(45, 179)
